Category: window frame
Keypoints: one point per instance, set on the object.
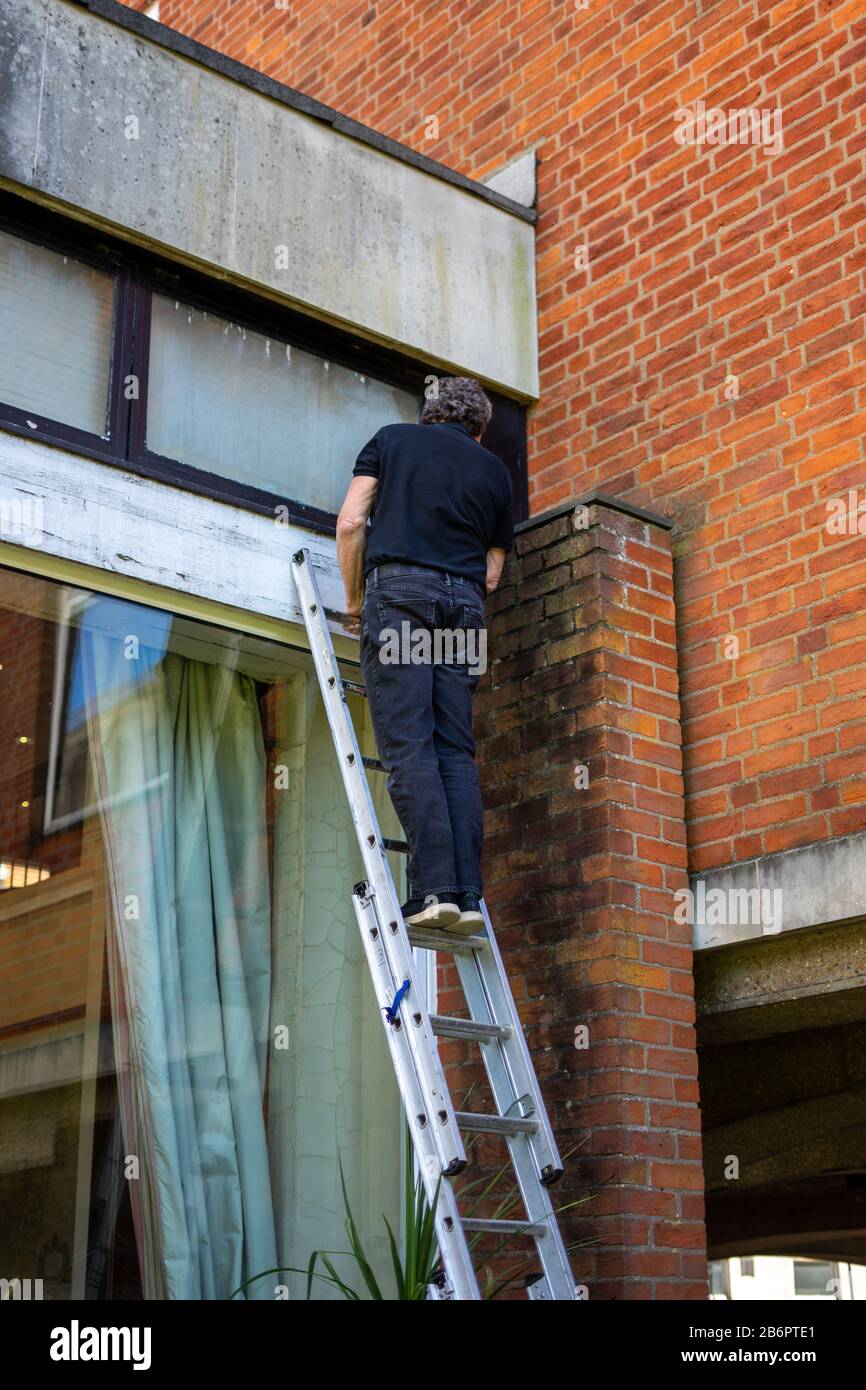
(809, 1262)
(57, 432)
(139, 274)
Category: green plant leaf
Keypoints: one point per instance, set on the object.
(405, 1285)
(357, 1247)
(344, 1288)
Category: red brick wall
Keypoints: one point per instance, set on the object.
(579, 741)
(703, 262)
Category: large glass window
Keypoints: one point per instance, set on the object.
(246, 406)
(815, 1279)
(56, 316)
(135, 360)
(189, 1042)
(217, 392)
(203, 384)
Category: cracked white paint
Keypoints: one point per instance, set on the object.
(95, 514)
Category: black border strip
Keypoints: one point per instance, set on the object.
(603, 499)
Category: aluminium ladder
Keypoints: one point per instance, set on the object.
(435, 1127)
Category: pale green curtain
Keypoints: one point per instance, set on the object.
(179, 764)
(250, 1054)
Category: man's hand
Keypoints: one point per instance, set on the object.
(352, 617)
(351, 543)
(495, 566)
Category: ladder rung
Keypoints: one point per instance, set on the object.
(446, 1027)
(504, 1228)
(398, 846)
(506, 1125)
(355, 688)
(373, 765)
(437, 940)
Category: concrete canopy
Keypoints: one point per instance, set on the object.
(187, 157)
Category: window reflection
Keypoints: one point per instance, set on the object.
(55, 349)
(233, 402)
(190, 902)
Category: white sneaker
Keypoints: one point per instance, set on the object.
(432, 914)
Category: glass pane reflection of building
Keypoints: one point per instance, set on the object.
(189, 1043)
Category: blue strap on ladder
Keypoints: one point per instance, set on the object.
(391, 1013)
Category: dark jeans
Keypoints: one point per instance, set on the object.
(422, 717)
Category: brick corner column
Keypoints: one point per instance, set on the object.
(579, 745)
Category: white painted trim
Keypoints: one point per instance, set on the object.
(174, 545)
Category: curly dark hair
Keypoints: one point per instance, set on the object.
(460, 400)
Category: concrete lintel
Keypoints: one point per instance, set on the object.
(137, 22)
(799, 981)
(178, 549)
(817, 884)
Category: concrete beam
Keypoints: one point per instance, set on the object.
(177, 155)
(176, 548)
(784, 984)
(823, 1217)
(817, 884)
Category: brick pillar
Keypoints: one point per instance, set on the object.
(580, 880)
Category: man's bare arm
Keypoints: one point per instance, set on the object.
(495, 565)
(352, 540)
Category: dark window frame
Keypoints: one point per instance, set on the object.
(139, 274)
(56, 432)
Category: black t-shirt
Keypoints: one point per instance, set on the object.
(443, 499)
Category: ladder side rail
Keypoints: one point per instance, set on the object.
(550, 1246)
(453, 1248)
(431, 1077)
(521, 1147)
(499, 1000)
(539, 1290)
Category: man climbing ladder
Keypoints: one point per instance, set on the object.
(441, 524)
(439, 508)
(518, 1116)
